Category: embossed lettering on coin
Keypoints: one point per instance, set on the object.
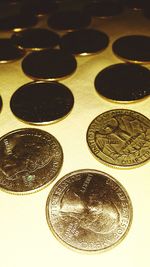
(89, 210)
(30, 159)
(120, 137)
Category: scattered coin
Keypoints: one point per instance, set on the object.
(42, 102)
(123, 82)
(8, 52)
(89, 210)
(84, 42)
(17, 22)
(30, 160)
(120, 138)
(50, 64)
(133, 48)
(104, 9)
(69, 20)
(35, 39)
(1, 103)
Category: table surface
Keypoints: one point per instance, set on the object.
(25, 238)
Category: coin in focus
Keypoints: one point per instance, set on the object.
(69, 20)
(89, 210)
(50, 64)
(30, 160)
(8, 52)
(84, 42)
(120, 138)
(104, 9)
(42, 102)
(133, 48)
(35, 39)
(123, 82)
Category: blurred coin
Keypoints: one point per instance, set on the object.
(89, 210)
(30, 160)
(136, 4)
(69, 20)
(40, 7)
(1, 103)
(120, 138)
(8, 52)
(133, 48)
(84, 42)
(104, 9)
(51, 64)
(42, 102)
(35, 39)
(123, 82)
(17, 22)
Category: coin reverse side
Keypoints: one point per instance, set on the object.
(30, 160)
(42, 102)
(120, 138)
(89, 210)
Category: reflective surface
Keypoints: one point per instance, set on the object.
(89, 210)
(42, 103)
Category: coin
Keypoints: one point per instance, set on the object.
(39, 7)
(103, 9)
(1, 103)
(35, 39)
(84, 42)
(133, 48)
(120, 138)
(30, 160)
(69, 20)
(89, 210)
(123, 82)
(42, 102)
(137, 4)
(8, 52)
(17, 22)
(50, 64)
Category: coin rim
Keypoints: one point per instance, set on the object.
(22, 193)
(71, 246)
(116, 166)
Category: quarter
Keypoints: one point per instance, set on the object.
(42, 102)
(89, 210)
(120, 138)
(30, 160)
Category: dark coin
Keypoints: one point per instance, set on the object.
(51, 64)
(40, 7)
(123, 82)
(69, 20)
(146, 11)
(137, 4)
(30, 160)
(84, 42)
(104, 9)
(35, 39)
(8, 52)
(17, 22)
(89, 210)
(1, 103)
(42, 102)
(133, 48)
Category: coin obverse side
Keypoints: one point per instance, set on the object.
(120, 137)
(89, 210)
(30, 160)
